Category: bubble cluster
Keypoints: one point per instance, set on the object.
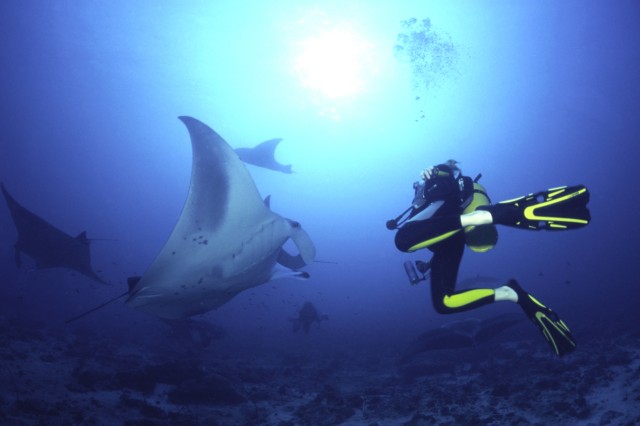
(431, 55)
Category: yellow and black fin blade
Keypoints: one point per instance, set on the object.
(554, 330)
(556, 209)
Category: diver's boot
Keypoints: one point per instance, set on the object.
(552, 327)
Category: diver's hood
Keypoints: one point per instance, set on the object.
(441, 184)
(437, 188)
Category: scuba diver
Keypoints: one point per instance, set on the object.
(450, 210)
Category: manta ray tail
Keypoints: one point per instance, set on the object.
(102, 305)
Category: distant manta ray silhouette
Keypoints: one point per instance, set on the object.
(227, 239)
(466, 333)
(263, 155)
(46, 244)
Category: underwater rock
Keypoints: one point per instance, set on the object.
(206, 390)
(142, 406)
(47, 358)
(329, 407)
(257, 375)
(135, 380)
(32, 406)
(88, 379)
(173, 373)
(609, 417)
(144, 422)
(416, 370)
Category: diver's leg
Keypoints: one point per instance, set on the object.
(444, 275)
(556, 209)
(420, 234)
(424, 233)
(476, 218)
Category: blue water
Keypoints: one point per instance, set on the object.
(536, 95)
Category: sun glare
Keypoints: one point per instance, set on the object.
(336, 63)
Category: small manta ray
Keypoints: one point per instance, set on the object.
(263, 155)
(227, 239)
(46, 244)
(465, 333)
(307, 316)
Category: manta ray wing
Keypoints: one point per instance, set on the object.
(46, 244)
(226, 239)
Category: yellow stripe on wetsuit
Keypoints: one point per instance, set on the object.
(467, 297)
(432, 241)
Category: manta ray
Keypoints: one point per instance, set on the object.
(227, 238)
(466, 333)
(46, 244)
(263, 155)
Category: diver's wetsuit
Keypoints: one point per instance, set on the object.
(441, 208)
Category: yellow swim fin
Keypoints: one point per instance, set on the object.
(552, 327)
(556, 209)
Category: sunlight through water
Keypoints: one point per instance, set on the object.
(336, 63)
(333, 62)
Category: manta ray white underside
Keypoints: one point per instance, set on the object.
(226, 240)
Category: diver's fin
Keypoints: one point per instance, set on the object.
(556, 209)
(552, 327)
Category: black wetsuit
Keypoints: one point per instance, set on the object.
(434, 222)
(446, 191)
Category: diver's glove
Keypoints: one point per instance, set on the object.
(441, 170)
(427, 173)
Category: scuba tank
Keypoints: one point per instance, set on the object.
(479, 238)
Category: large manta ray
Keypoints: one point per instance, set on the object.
(46, 244)
(226, 240)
